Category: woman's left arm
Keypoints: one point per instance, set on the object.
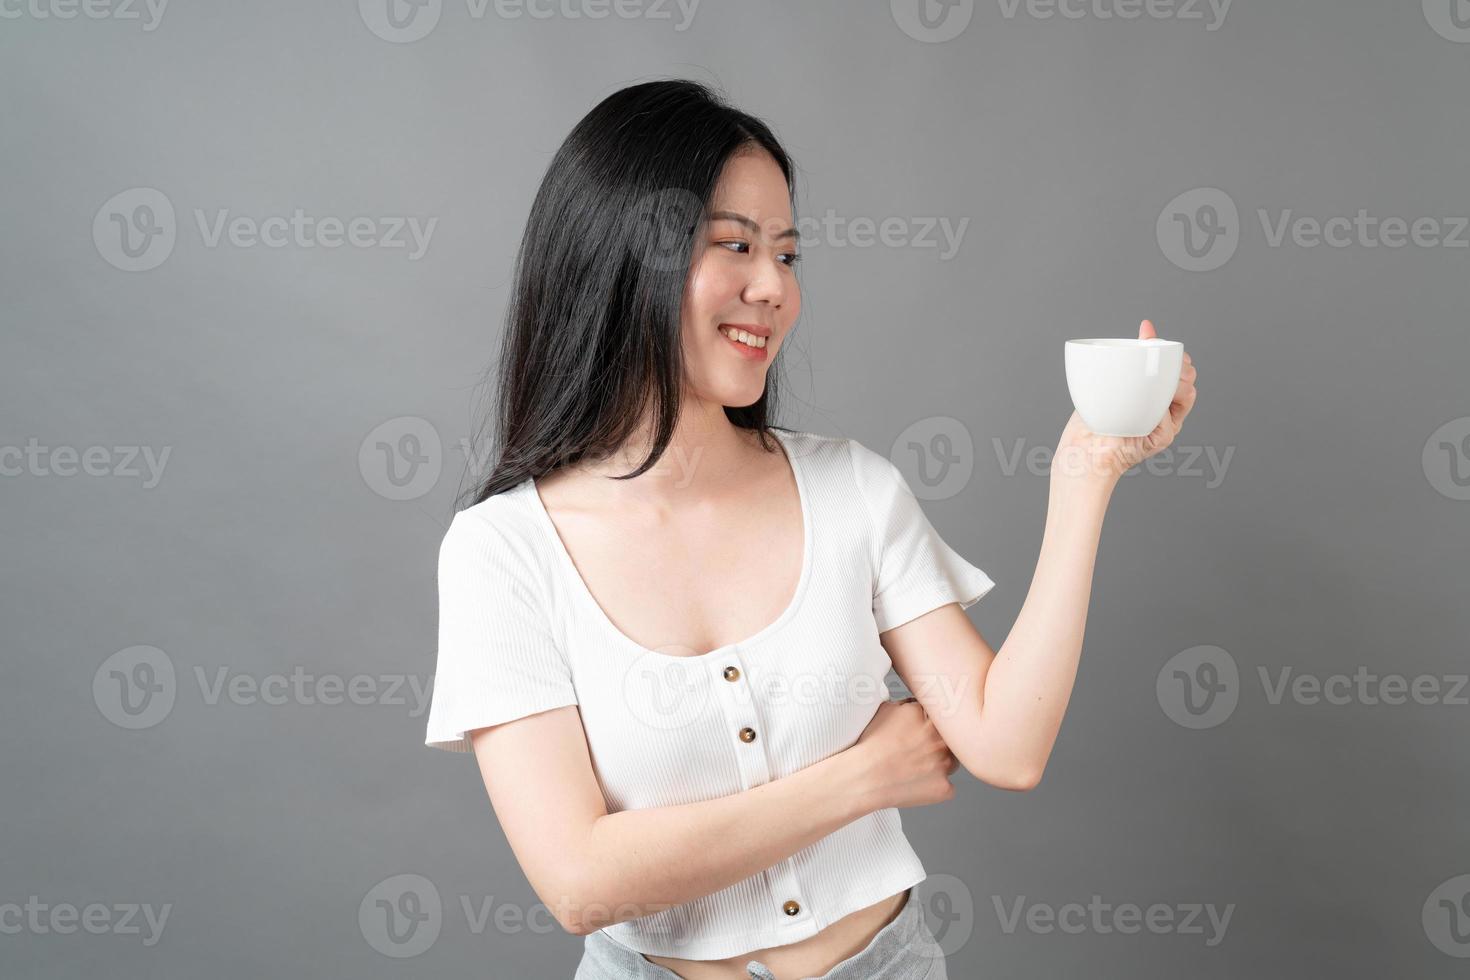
(1000, 712)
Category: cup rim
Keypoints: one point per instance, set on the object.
(1125, 343)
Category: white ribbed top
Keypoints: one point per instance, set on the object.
(520, 633)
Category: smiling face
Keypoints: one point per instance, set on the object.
(741, 278)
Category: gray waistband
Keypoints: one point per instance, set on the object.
(904, 949)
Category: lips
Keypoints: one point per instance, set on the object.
(744, 343)
(759, 330)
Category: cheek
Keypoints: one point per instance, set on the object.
(710, 291)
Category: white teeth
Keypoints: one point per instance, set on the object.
(748, 339)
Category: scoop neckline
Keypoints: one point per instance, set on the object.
(586, 598)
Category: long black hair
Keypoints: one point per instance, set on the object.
(592, 336)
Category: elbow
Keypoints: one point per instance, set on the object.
(1016, 779)
(1020, 782)
(569, 917)
(570, 908)
(576, 924)
(580, 918)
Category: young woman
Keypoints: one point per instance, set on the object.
(665, 623)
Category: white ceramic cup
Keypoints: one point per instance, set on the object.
(1123, 387)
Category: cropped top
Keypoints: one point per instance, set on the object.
(520, 633)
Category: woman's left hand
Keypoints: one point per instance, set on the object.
(1082, 452)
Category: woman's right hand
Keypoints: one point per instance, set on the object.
(906, 761)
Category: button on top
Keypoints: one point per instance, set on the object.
(747, 734)
(791, 908)
(732, 673)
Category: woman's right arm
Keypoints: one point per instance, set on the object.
(594, 869)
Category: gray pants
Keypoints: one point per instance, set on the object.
(904, 949)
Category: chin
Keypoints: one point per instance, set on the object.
(739, 395)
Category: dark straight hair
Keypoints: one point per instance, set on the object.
(592, 337)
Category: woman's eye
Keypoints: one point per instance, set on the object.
(790, 258)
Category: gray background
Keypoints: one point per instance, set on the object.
(273, 542)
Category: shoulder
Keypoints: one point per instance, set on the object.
(845, 462)
(866, 462)
(875, 485)
(826, 456)
(876, 475)
(498, 532)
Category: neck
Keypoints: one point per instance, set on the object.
(702, 456)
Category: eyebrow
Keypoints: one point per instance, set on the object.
(742, 219)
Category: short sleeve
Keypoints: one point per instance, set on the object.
(497, 659)
(916, 571)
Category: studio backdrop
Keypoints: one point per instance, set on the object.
(255, 267)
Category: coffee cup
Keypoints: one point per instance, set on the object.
(1123, 387)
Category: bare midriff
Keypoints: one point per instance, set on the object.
(811, 957)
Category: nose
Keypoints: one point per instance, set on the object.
(767, 284)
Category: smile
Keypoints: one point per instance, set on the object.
(743, 337)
